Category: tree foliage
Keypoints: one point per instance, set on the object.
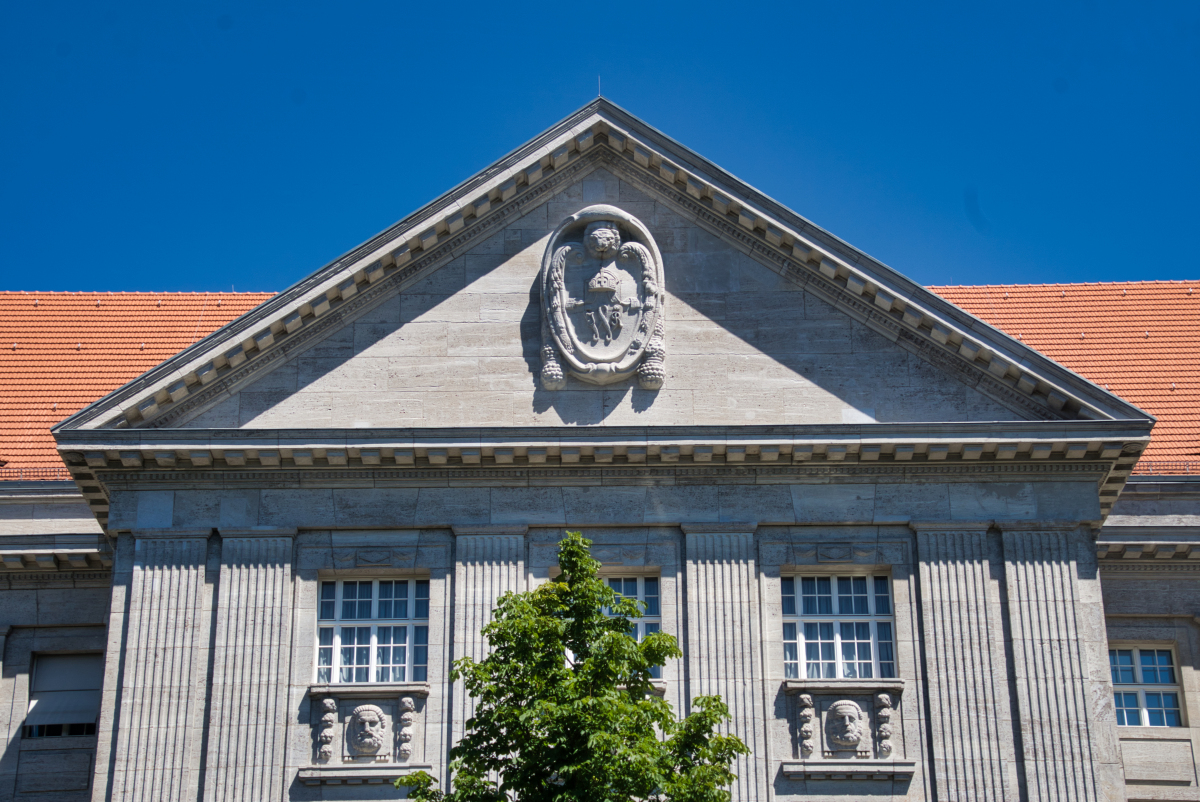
(565, 710)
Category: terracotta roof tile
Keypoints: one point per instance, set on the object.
(1141, 340)
(60, 351)
(1138, 339)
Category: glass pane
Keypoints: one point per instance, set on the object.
(1156, 666)
(325, 654)
(1154, 711)
(630, 588)
(328, 600)
(356, 600)
(650, 629)
(420, 654)
(856, 649)
(845, 597)
(819, 651)
(652, 606)
(860, 595)
(887, 664)
(791, 652)
(1127, 709)
(787, 591)
(883, 599)
(1120, 663)
(808, 587)
(385, 598)
(824, 595)
(422, 610)
(400, 599)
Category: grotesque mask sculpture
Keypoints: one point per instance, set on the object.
(367, 730)
(844, 725)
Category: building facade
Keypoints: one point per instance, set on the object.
(904, 547)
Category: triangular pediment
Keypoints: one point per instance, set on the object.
(435, 322)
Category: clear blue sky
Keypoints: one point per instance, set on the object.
(181, 146)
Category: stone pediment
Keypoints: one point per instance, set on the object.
(756, 249)
(601, 276)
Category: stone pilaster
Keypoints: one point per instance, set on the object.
(156, 666)
(1067, 725)
(248, 718)
(486, 566)
(724, 644)
(966, 674)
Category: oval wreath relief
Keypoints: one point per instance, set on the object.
(602, 301)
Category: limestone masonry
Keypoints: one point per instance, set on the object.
(909, 551)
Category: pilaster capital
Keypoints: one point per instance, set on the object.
(170, 534)
(725, 528)
(518, 529)
(258, 531)
(950, 526)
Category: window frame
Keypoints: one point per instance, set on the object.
(837, 619)
(1139, 688)
(416, 631)
(647, 620)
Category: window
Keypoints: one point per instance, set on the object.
(644, 589)
(373, 630)
(837, 627)
(64, 696)
(1145, 687)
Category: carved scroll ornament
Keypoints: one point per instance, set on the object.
(602, 301)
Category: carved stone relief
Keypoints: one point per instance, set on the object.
(325, 730)
(807, 745)
(602, 301)
(883, 718)
(366, 732)
(844, 726)
(404, 734)
(372, 728)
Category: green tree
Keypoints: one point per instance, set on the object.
(565, 710)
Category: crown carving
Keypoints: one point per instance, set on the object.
(606, 280)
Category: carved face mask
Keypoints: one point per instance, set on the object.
(844, 724)
(367, 729)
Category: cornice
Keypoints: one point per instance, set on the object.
(1099, 451)
(601, 133)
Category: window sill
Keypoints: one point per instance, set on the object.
(891, 685)
(369, 690)
(369, 774)
(58, 742)
(1153, 733)
(849, 769)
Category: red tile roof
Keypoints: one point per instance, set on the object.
(1138, 339)
(1141, 340)
(60, 351)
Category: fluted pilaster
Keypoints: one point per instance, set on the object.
(970, 722)
(160, 710)
(248, 715)
(724, 648)
(1057, 633)
(486, 566)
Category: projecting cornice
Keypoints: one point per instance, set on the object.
(603, 134)
(1099, 451)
